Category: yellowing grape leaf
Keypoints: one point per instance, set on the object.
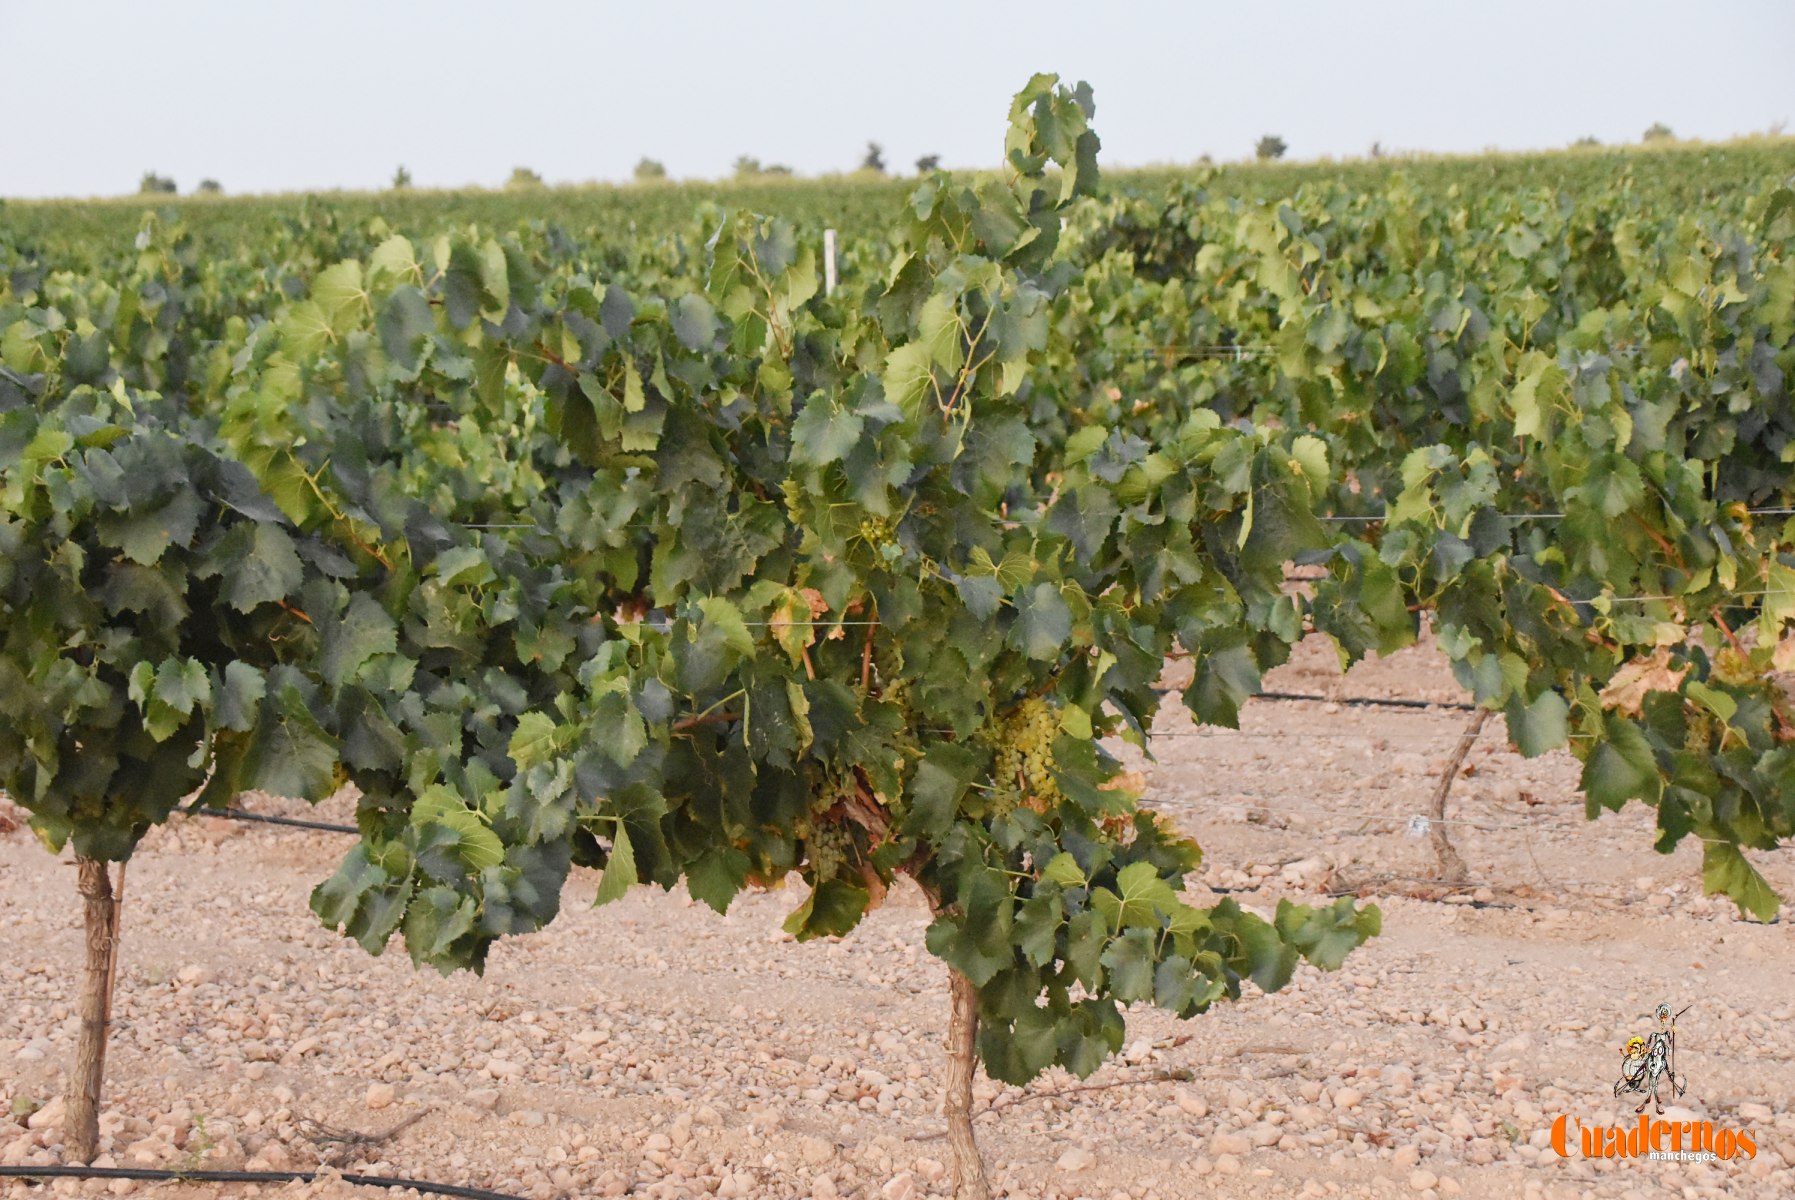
(1627, 690)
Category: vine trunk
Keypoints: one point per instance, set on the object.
(962, 1062)
(1447, 863)
(100, 917)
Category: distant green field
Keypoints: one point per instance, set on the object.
(85, 234)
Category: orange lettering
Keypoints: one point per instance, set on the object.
(1558, 1132)
(1649, 1136)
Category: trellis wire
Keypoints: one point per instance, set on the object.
(1545, 516)
(1248, 800)
(1222, 735)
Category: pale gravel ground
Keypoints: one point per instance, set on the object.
(653, 1048)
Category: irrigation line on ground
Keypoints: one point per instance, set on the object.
(1223, 734)
(237, 814)
(1350, 701)
(154, 1176)
(1360, 701)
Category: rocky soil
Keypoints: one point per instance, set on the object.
(652, 1048)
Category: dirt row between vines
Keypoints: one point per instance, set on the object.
(653, 1048)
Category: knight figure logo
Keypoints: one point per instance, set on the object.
(1648, 1069)
(1649, 1062)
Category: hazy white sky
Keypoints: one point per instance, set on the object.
(268, 95)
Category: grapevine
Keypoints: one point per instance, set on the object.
(639, 554)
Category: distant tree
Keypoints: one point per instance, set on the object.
(1589, 142)
(648, 171)
(153, 184)
(874, 158)
(749, 167)
(211, 187)
(401, 179)
(1270, 146)
(523, 177)
(928, 163)
(1659, 132)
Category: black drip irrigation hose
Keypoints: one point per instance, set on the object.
(380, 1181)
(1350, 701)
(237, 814)
(1370, 701)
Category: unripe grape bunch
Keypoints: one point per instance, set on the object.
(828, 849)
(881, 537)
(1024, 767)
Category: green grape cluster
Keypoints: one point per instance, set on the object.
(1698, 733)
(877, 532)
(827, 850)
(1025, 755)
(896, 692)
